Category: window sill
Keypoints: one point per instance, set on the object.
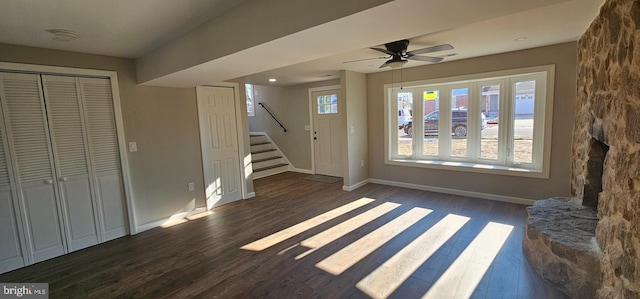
(470, 167)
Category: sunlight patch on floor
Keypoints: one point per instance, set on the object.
(335, 232)
(301, 227)
(356, 251)
(463, 275)
(173, 222)
(200, 215)
(383, 281)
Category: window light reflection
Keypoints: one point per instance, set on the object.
(463, 275)
(389, 276)
(334, 233)
(356, 251)
(301, 227)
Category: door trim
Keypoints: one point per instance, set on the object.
(311, 91)
(245, 161)
(117, 109)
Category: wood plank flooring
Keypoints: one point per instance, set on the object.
(438, 246)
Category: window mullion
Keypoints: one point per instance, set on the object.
(444, 123)
(504, 120)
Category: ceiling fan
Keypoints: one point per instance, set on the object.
(398, 54)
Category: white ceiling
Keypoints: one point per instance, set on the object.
(130, 29)
(121, 28)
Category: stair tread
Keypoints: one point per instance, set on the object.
(260, 143)
(266, 159)
(270, 167)
(256, 135)
(263, 151)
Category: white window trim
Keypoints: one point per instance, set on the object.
(544, 150)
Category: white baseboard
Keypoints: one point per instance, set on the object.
(509, 199)
(355, 186)
(157, 223)
(300, 170)
(250, 195)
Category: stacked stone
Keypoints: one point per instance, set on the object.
(608, 109)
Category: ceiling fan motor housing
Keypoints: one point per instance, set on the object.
(397, 46)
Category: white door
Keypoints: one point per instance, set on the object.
(219, 141)
(327, 126)
(70, 151)
(11, 249)
(30, 148)
(105, 164)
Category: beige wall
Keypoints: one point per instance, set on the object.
(252, 23)
(558, 184)
(354, 90)
(291, 106)
(163, 122)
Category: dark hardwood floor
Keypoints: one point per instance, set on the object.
(387, 241)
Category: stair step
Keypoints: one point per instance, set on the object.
(256, 135)
(266, 159)
(260, 143)
(270, 167)
(263, 151)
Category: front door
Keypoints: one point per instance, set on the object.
(219, 140)
(327, 126)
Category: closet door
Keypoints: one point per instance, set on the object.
(70, 152)
(30, 149)
(10, 248)
(105, 157)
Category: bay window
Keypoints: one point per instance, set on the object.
(496, 122)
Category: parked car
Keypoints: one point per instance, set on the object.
(404, 117)
(458, 123)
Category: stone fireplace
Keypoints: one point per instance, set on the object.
(605, 168)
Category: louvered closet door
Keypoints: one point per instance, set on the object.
(11, 255)
(30, 148)
(105, 157)
(70, 152)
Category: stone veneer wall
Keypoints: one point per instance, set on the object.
(608, 109)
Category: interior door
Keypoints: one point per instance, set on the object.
(327, 135)
(100, 125)
(27, 133)
(70, 151)
(11, 249)
(219, 140)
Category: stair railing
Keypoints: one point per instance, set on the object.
(272, 116)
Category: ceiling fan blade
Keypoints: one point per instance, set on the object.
(431, 49)
(364, 59)
(385, 51)
(426, 58)
(385, 64)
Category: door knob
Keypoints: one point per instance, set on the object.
(63, 179)
(48, 181)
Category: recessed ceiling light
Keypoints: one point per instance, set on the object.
(272, 80)
(519, 39)
(63, 35)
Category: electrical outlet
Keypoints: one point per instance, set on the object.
(191, 186)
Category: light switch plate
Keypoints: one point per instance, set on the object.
(191, 186)
(307, 128)
(133, 147)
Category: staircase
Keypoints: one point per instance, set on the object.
(266, 158)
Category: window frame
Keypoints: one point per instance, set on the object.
(543, 112)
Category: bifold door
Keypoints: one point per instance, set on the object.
(62, 144)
